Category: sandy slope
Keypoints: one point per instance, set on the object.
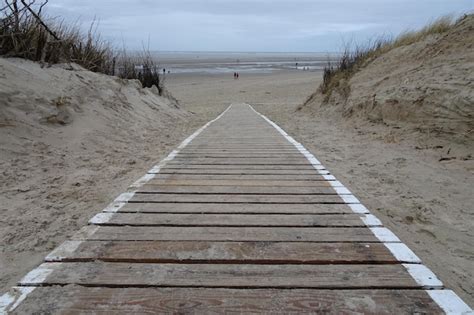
(70, 141)
(426, 202)
(427, 86)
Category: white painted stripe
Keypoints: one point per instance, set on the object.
(125, 197)
(10, 300)
(60, 252)
(423, 276)
(371, 220)
(358, 208)
(349, 199)
(449, 302)
(342, 190)
(329, 177)
(402, 253)
(384, 235)
(143, 180)
(39, 274)
(336, 183)
(114, 207)
(101, 218)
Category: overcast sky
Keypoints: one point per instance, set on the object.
(252, 25)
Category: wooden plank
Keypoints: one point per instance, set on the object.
(314, 177)
(223, 252)
(213, 220)
(215, 198)
(256, 155)
(235, 208)
(125, 301)
(240, 150)
(239, 167)
(225, 275)
(167, 170)
(258, 190)
(244, 161)
(239, 234)
(238, 182)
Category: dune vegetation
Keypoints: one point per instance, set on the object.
(25, 32)
(354, 58)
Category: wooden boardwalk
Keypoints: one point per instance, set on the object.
(239, 219)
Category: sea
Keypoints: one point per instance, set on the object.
(190, 62)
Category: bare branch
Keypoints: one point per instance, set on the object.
(40, 20)
(41, 7)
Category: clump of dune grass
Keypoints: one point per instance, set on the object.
(25, 33)
(142, 67)
(336, 74)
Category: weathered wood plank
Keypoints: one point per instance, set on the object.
(82, 300)
(240, 234)
(244, 161)
(236, 208)
(238, 172)
(240, 155)
(238, 182)
(255, 190)
(223, 252)
(314, 177)
(282, 199)
(239, 167)
(226, 275)
(213, 220)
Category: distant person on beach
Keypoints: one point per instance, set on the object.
(164, 70)
(235, 75)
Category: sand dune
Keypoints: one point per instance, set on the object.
(427, 86)
(70, 140)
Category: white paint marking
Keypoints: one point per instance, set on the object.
(39, 274)
(349, 199)
(371, 220)
(125, 197)
(101, 218)
(114, 207)
(62, 251)
(402, 253)
(384, 235)
(155, 169)
(143, 180)
(423, 276)
(10, 300)
(329, 177)
(449, 302)
(342, 190)
(358, 208)
(336, 183)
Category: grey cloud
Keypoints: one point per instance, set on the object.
(245, 25)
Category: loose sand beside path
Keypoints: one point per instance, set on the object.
(427, 203)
